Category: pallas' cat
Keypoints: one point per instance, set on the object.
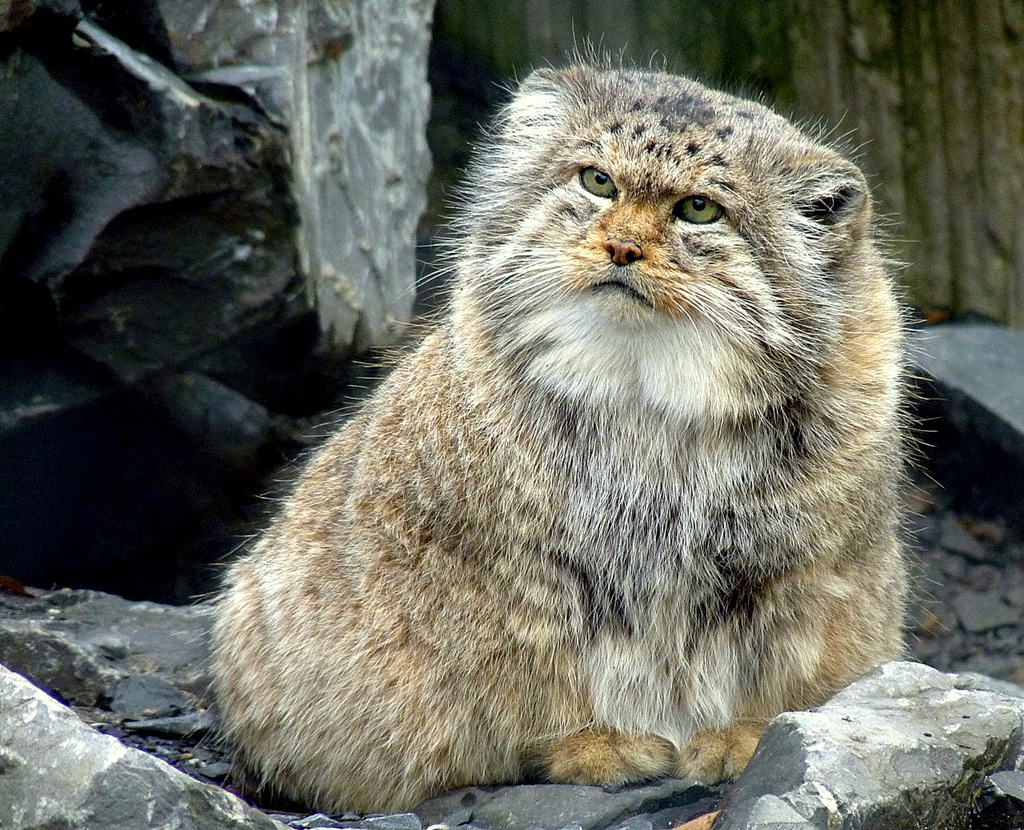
(634, 495)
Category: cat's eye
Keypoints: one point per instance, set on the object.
(598, 182)
(697, 209)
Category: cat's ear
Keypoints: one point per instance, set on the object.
(829, 192)
(539, 101)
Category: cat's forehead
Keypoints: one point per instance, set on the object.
(669, 121)
(675, 103)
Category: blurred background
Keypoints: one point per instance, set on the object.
(216, 216)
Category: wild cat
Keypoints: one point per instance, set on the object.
(636, 494)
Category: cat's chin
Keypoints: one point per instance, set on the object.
(621, 291)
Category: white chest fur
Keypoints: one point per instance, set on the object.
(643, 685)
(684, 368)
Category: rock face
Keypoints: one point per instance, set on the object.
(206, 206)
(349, 80)
(55, 771)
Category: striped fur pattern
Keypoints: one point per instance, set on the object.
(606, 520)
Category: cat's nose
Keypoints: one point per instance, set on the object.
(623, 251)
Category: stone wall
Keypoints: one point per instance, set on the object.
(206, 206)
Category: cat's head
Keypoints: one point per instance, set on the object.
(632, 233)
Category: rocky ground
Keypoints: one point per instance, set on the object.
(969, 609)
(136, 672)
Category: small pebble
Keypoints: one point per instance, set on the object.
(457, 818)
(218, 770)
(955, 538)
(315, 820)
(193, 724)
(988, 533)
(396, 821)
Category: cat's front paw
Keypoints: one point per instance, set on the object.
(603, 757)
(718, 755)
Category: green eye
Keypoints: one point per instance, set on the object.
(697, 209)
(598, 182)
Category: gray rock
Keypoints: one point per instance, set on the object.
(393, 821)
(636, 823)
(1009, 783)
(975, 414)
(180, 726)
(58, 772)
(770, 812)
(81, 645)
(905, 746)
(316, 820)
(149, 229)
(979, 682)
(1002, 802)
(459, 817)
(229, 425)
(980, 612)
(201, 247)
(552, 806)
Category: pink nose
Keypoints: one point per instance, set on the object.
(623, 252)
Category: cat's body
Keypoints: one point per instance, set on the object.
(636, 495)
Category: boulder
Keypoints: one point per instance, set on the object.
(58, 772)
(904, 747)
(969, 414)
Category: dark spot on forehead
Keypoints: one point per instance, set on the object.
(724, 132)
(658, 149)
(639, 130)
(718, 160)
(636, 106)
(692, 148)
(690, 107)
(615, 128)
(746, 114)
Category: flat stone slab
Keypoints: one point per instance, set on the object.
(88, 646)
(982, 365)
(660, 804)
